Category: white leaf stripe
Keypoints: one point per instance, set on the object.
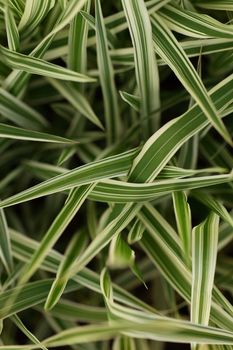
(191, 47)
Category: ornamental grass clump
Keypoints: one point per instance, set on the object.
(116, 182)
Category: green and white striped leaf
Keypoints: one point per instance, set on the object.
(145, 63)
(124, 343)
(64, 217)
(160, 330)
(34, 12)
(194, 24)
(109, 167)
(215, 206)
(136, 232)
(18, 112)
(77, 56)
(161, 146)
(121, 216)
(168, 259)
(75, 247)
(23, 247)
(120, 191)
(11, 29)
(132, 100)
(165, 44)
(39, 66)
(224, 5)
(183, 221)
(120, 254)
(19, 324)
(112, 117)
(204, 256)
(5, 246)
(12, 132)
(77, 100)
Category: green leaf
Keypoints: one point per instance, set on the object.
(77, 58)
(33, 14)
(12, 132)
(169, 49)
(77, 100)
(136, 232)
(161, 146)
(112, 118)
(194, 24)
(204, 256)
(19, 324)
(225, 5)
(160, 329)
(183, 221)
(76, 198)
(39, 66)
(215, 206)
(18, 112)
(11, 29)
(75, 247)
(109, 167)
(145, 62)
(5, 247)
(120, 254)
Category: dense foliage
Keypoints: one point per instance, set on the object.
(116, 222)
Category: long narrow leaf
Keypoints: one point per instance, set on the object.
(38, 66)
(112, 117)
(165, 45)
(145, 62)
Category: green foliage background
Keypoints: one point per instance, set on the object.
(116, 221)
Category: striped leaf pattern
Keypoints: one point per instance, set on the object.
(116, 217)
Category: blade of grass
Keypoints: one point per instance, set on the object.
(39, 66)
(204, 256)
(112, 118)
(75, 247)
(183, 221)
(20, 113)
(5, 246)
(64, 217)
(165, 44)
(11, 29)
(145, 63)
(12, 132)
